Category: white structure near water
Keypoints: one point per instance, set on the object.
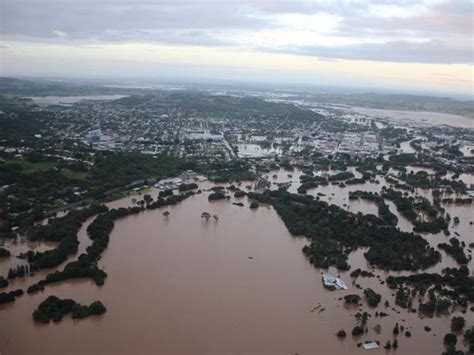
(333, 283)
(370, 345)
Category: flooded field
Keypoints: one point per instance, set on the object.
(241, 285)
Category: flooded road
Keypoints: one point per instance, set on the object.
(241, 285)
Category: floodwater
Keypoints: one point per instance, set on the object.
(69, 100)
(418, 117)
(241, 285)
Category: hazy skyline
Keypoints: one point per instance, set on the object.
(409, 45)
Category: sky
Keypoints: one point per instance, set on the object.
(411, 45)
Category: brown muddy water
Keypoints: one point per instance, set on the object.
(180, 285)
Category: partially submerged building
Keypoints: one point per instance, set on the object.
(333, 283)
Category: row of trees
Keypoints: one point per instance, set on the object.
(63, 230)
(99, 232)
(408, 207)
(383, 209)
(452, 283)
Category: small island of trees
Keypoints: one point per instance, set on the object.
(54, 309)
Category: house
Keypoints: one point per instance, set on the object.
(333, 283)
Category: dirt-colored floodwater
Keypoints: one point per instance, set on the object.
(180, 285)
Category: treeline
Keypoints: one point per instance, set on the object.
(215, 196)
(169, 201)
(3, 282)
(86, 265)
(455, 284)
(187, 187)
(4, 253)
(390, 248)
(119, 169)
(383, 209)
(457, 200)
(310, 182)
(421, 179)
(408, 205)
(456, 250)
(46, 187)
(99, 232)
(63, 230)
(8, 297)
(221, 172)
(54, 309)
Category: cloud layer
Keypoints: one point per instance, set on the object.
(398, 31)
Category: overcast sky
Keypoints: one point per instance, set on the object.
(408, 44)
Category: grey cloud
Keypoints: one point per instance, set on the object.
(449, 18)
(447, 26)
(400, 51)
(104, 19)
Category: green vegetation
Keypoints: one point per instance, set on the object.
(403, 159)
(455, 249)
(455, 284)
(450, 339)
(357, 330)
(99, 231)
(352, 299)
(363, 273)
(422, 179)
(310, 182)
(373, 298)
(29, 167)
(343, 232)
(63, 230)
(408, 207)
(221, 172)
(215, 196)
(344, 175)
(469, 338)
(253, 205)
(457, 324)
(230, 107)
(121, 169)
(9, 297)
(383, 209)
(54, 309)
(86, 265)
(39, 186)
(239, 194)
(3, 282)
(324, 253)
(4, 253)
(75, 175)
(187, 187)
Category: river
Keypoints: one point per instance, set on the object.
(241, 285)
(417, 117)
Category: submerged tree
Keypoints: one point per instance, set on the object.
(205, 215)
(216, 217)
(166, 214)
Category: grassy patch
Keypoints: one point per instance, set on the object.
(75, 175)
(141, 191)
(29, 167)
